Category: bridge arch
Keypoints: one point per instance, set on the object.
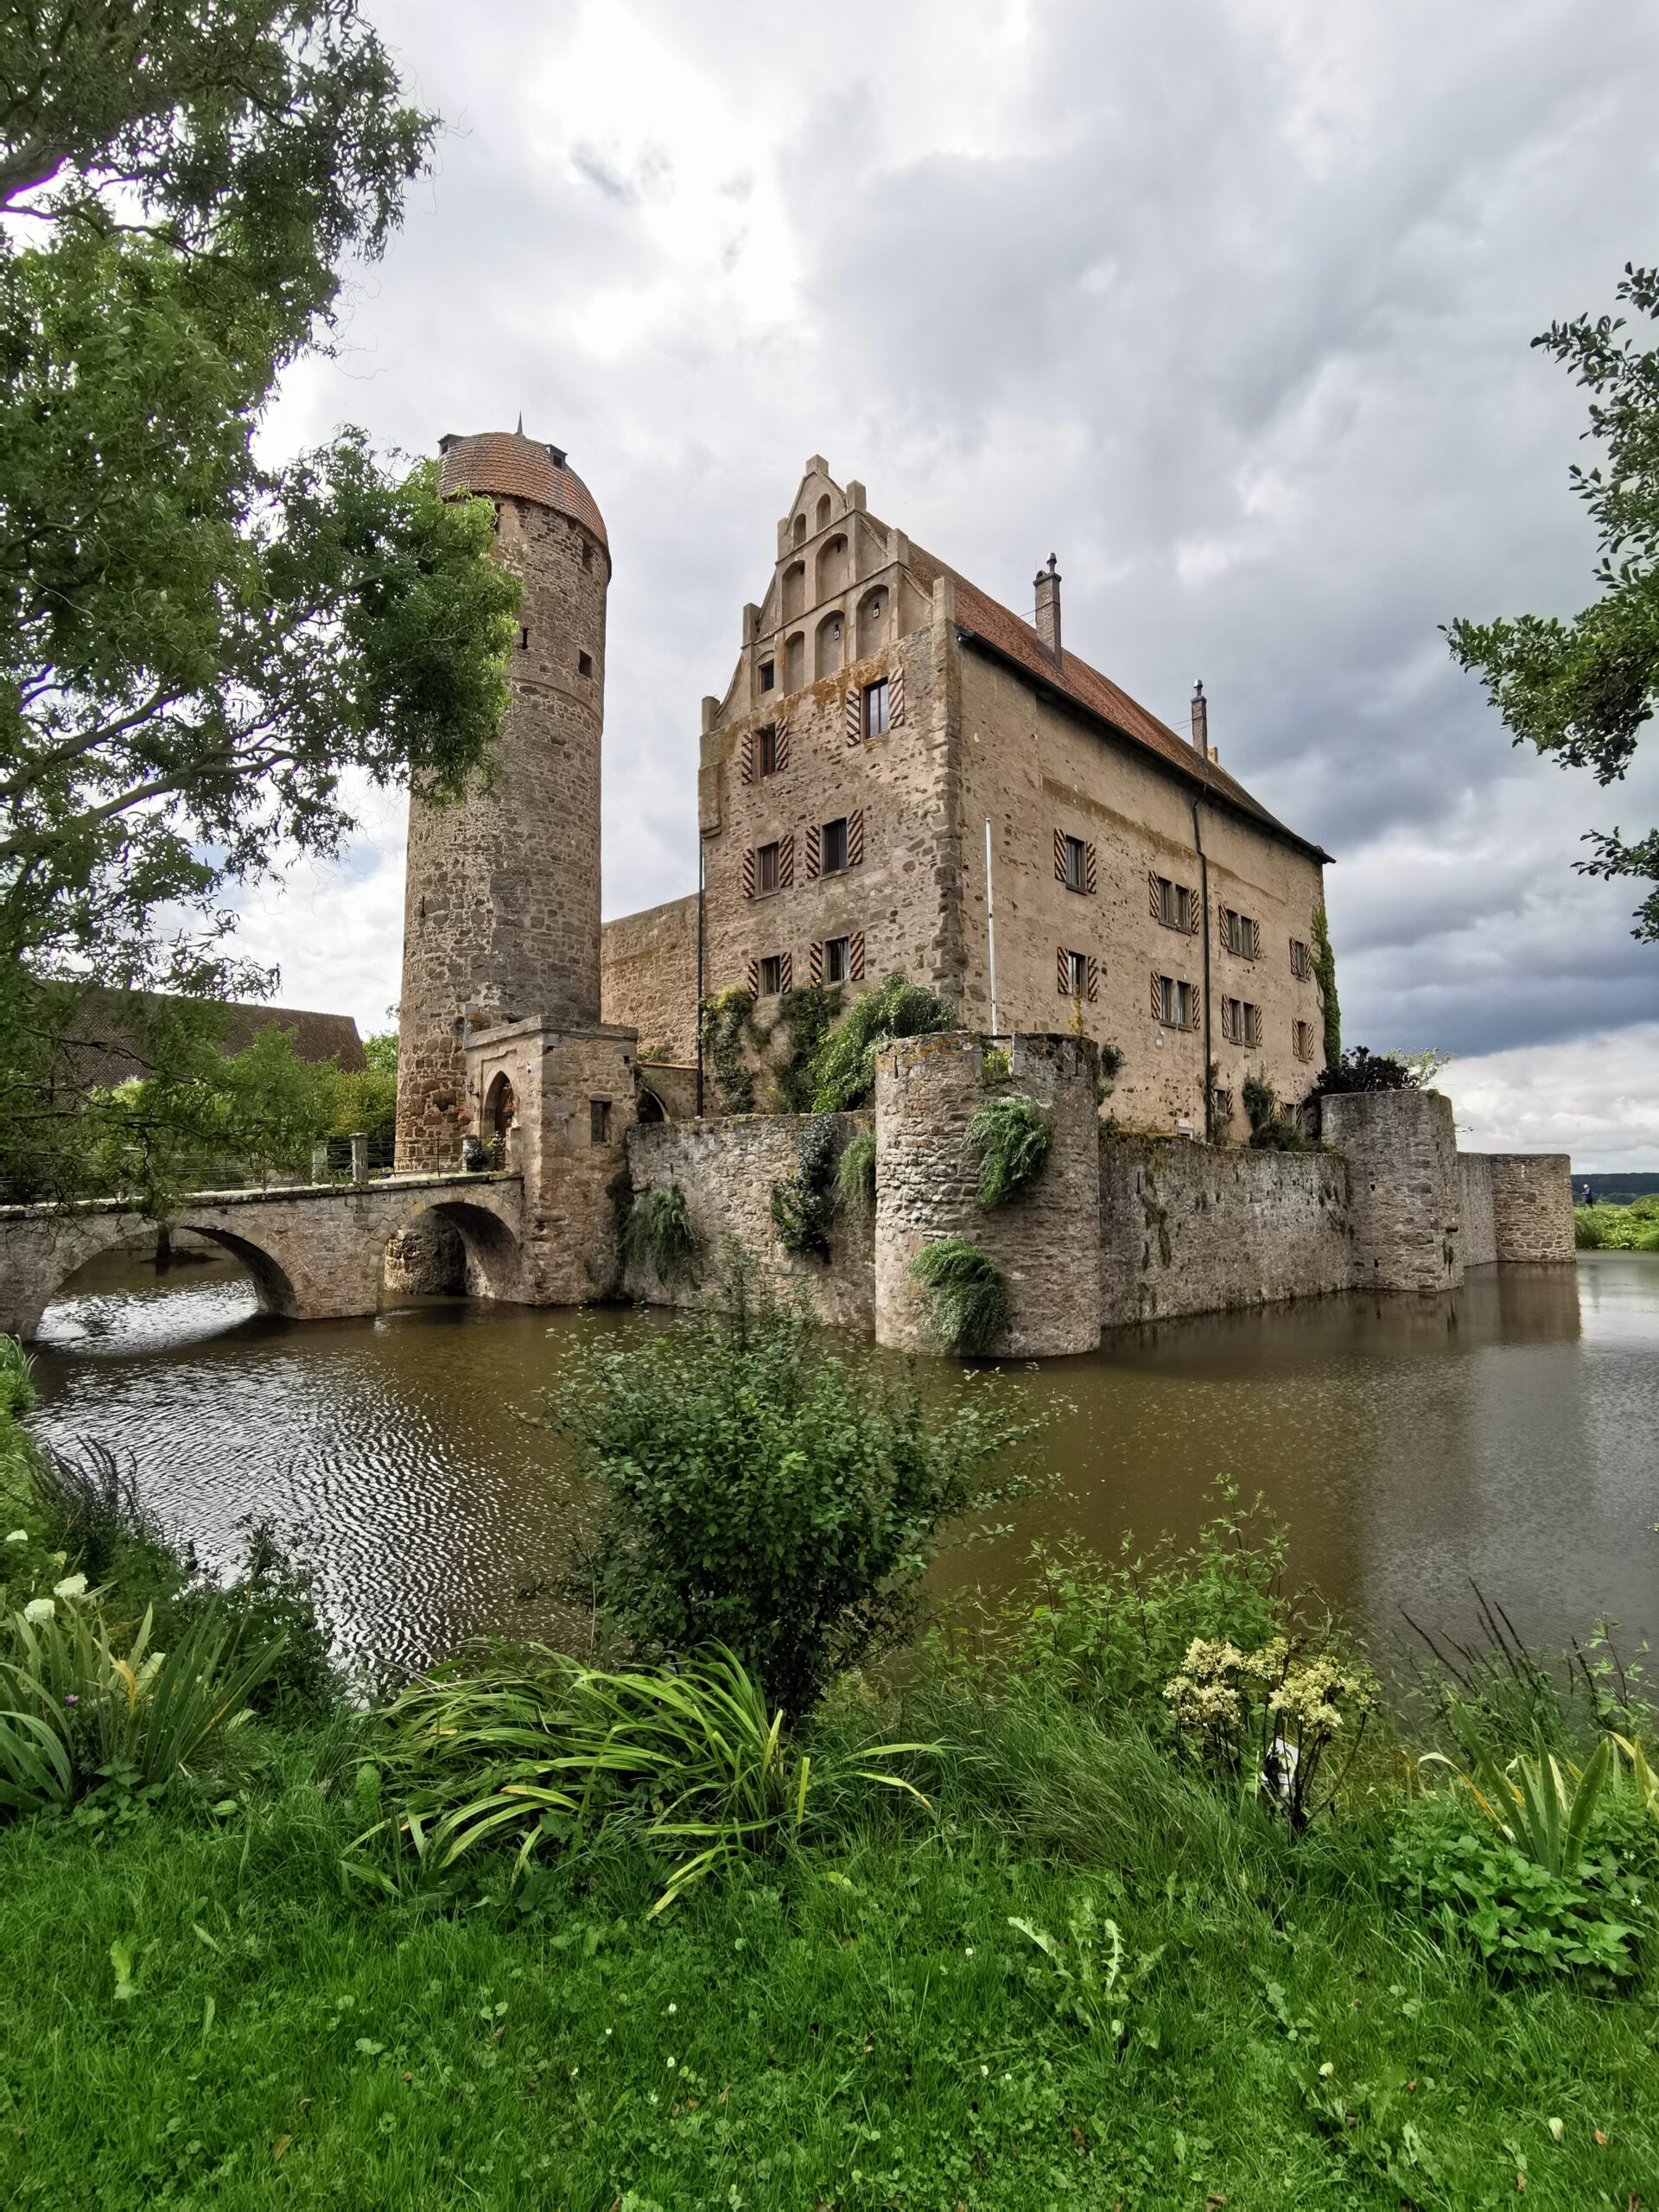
(490, 1260)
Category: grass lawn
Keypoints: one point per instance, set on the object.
(198, 2014)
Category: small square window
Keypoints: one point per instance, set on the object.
(767, 870)
(766, 752)
(768, 675)
(771, 975)
(599, 1121)
(833, 846)
(836, 963)
(584, 664)
(1302, 1039)
(1299, 962)
(1076, 864)
(874, 708)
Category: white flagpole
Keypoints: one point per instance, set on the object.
(990, 922)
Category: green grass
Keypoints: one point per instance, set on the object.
(859, 2027)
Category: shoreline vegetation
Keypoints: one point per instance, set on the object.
(1132, 1890)
(1634, 1227)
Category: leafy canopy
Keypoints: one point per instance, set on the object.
(1583, 689)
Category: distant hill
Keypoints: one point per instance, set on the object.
(1617, 1188)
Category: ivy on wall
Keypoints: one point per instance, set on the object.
(803, 1203)
(728, 1022)
(1325, 974)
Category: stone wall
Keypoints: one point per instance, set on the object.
(727, 1169)
(1532, 1207)
(1198, 1229)
(1046, 1244)
(648, 975)
(1405, 1186)
(1479, 1240)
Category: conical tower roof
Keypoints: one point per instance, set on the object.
(510, 466)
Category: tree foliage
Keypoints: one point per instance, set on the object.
(1581, 690)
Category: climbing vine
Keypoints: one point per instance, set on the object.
(1325, 974)
(803, 1203)
(727, 1021)
(805, 1017)
(855, 1177)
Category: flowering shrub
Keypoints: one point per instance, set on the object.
(1271, 1713)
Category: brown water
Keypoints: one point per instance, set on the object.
(1509, 1433)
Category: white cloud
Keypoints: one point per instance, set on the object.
(1229, 304)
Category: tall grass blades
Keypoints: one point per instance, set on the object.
(662, 1235)
(132, 1713)
(16, 1377)
(88, 1500)
(967, 1294)
(1013, 1136)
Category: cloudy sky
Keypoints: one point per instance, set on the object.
(1227, 302)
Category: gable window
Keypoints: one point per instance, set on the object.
(1302, 1038)
(599, 1121)
(1174, 1003)
(766, 762)
(1239, 933)
(771, 975)
(1299, 962)
(768, 675)
(768, 874)
(1172, 904)
(833, 846)
(836, 964)
(873, 709)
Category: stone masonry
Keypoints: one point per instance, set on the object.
(501, 907)
(1046, 1243)
(648, 977)
(1532, 1207)
(1405, 1186)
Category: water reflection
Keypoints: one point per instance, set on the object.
(1504, 1434)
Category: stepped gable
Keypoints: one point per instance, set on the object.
(1004, 630)
(512, 466)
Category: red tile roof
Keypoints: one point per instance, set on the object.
(517, 467)
(985, 618)
(102, 1052)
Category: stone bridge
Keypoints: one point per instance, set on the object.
(315, 1253)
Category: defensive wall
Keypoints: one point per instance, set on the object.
(1122, 1229)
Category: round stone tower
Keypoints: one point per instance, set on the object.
(501, 894)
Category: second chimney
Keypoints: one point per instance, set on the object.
(1048, 610)
(1200, 722)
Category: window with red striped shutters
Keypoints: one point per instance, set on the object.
(1063, 971)
(1094, 979)
(747, 762)
(748, 872)
(787, 860)
(814, 961)
(785, 972)
(754, 979)
(855, 957)
(1060, 856)
(896, 692)
(1088, 868)
(855, 836)
(780, 744)
(814, 850)
(854, 715)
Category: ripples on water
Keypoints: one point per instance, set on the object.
(1506, 1433)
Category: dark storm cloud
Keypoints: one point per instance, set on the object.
(1230, 304)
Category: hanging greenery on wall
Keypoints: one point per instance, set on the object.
(1270, 1130)
(661, 1234)
(727, 1021)
(1013, 1136)
(803, 1203)
(805, 1017)
(967, 1294)
(1325, 974)
(855, 1176)
(844, 1070)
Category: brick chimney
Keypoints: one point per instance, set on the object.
(1200, 722)
(1048, 610)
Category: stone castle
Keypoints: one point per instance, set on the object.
(904, 775)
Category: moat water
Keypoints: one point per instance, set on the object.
(1507, 1436)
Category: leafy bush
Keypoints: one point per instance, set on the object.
(762, 1493)
(1013, 1136)
(661, 1235)
(1270, 1130)
(84, 1702)
(1616, 1228)
(1361, 1069)
(967, 1294)
(803, 1204)
(855, 1176)
(844, 1070)
(1522, 1917)
(541, 1752)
